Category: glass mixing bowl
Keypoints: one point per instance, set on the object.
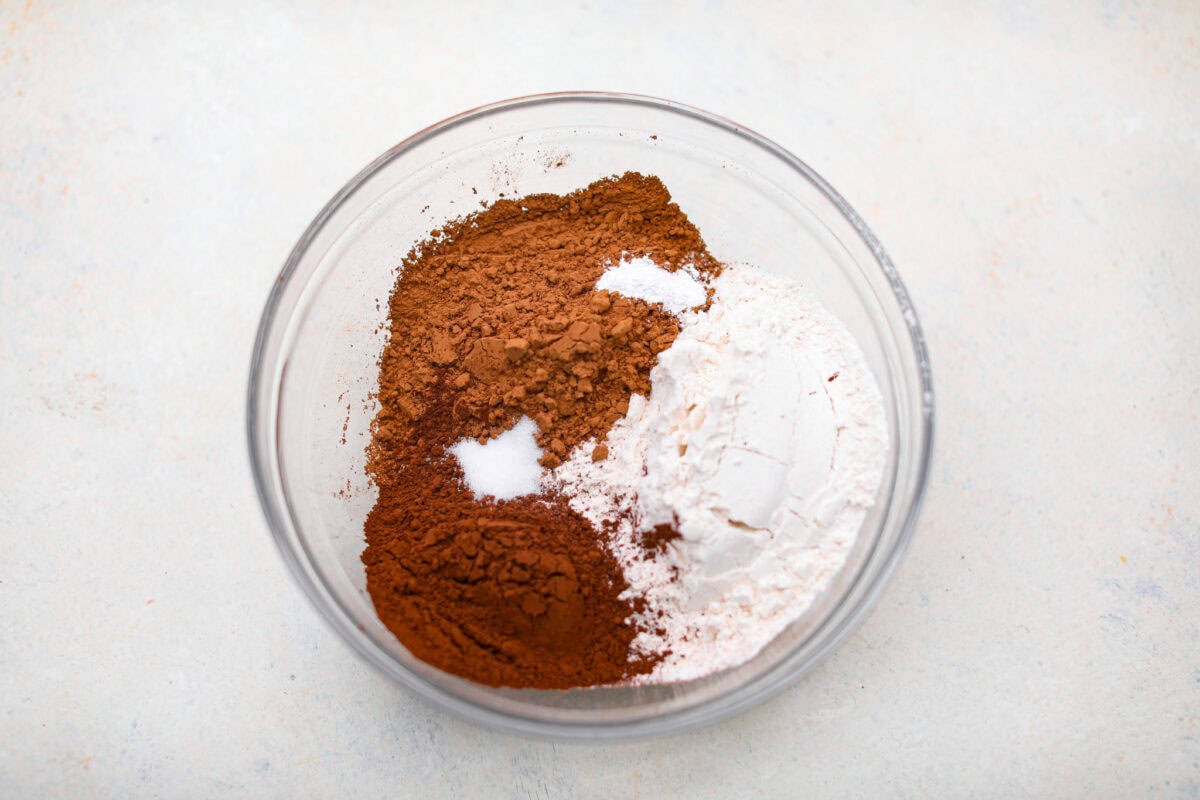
(314, 367)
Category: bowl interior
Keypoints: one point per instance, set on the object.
(316, 364)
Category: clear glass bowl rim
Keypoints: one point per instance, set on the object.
(735, 700)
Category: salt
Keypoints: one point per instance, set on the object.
(505, 467)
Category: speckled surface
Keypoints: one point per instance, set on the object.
(1035, 173)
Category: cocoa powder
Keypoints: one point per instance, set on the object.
(514, 593)
(494, 317)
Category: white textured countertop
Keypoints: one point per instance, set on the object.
(1034, 173)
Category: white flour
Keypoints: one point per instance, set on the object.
(763, 460)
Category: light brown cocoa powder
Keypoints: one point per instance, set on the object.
(501, 305)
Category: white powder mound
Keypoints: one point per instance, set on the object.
(506, 466)
(641, 278)
(763, 442)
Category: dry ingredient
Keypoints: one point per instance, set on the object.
(601, 456)
(501, 307)
(761, 444)
(675, 291)
(496, 318)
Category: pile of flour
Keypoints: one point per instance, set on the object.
(763, 442)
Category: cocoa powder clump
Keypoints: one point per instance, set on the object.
(492, 318)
